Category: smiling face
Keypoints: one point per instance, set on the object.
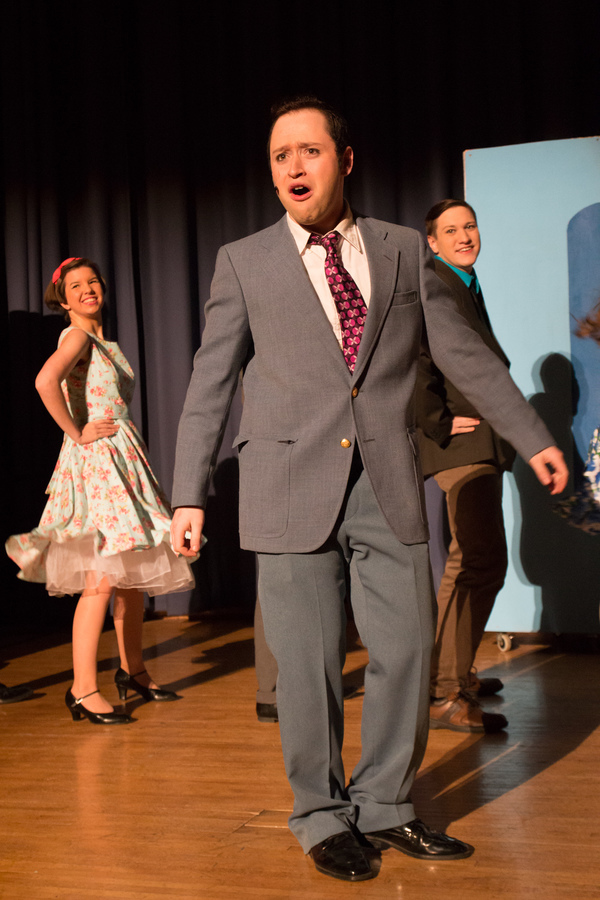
(307, 173)
(456, 238)
(83, 294)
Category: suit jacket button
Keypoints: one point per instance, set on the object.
(355, 392)
(345, 443)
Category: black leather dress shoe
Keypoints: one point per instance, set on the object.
(267, 712)
(14, 694)
(416, 839)
(341, 856)
(483, 687)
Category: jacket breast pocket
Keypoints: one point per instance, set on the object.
(404, 298)
(264, 484)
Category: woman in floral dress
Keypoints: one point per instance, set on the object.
(106, 524)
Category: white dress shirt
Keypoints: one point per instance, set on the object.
(353, 256)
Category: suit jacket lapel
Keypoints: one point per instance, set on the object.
(383, 267)
(286, 267)
(471, 314)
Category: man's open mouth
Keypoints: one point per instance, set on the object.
(300, 190)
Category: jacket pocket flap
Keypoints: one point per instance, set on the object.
(276, 438)
(403, 298)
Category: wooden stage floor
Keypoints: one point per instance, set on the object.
(191, 801)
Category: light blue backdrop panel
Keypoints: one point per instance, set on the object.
(537, 207)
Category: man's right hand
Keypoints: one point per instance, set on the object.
(190, 520)
(464, 424)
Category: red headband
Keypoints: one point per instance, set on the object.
(65, 262)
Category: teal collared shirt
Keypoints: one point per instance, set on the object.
(470, 279)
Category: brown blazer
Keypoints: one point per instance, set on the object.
(439, 400)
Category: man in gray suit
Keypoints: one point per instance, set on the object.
(323, 312)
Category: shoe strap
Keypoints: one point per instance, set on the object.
(77, 702)
(143, 672)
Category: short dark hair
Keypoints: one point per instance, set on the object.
(438, 208)
(337, 127)
(54, 295)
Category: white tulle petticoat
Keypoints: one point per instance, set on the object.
(156, 571)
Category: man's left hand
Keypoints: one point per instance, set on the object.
(551, 470)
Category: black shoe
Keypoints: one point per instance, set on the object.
(482, 687)
(78, 709)
(14, 694)
(267, 712)
(416, 839)
(341, 856)
(125, 681)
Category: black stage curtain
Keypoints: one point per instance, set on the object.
(133, 132)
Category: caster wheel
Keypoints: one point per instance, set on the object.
(504, 641)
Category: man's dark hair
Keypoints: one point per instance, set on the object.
(438, 208)
(337, 127)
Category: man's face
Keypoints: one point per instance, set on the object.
(307, 174)
(456, 238)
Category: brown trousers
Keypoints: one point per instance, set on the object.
(474, 573)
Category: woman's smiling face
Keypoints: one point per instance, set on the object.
(83, 292)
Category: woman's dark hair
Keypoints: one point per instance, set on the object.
(589, 326)
(54, 296)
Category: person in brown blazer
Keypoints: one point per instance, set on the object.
(466, 457)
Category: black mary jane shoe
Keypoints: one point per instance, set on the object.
(417, 840)
(124, 682)
(78, 710)
(341, 856)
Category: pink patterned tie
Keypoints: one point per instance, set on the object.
(348, 299)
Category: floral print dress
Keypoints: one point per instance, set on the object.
(106, 515)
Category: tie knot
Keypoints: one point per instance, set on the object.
(329, 241)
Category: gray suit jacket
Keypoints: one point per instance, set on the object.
(302, 405)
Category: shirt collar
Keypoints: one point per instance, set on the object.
(469, 278)
(347, 227)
